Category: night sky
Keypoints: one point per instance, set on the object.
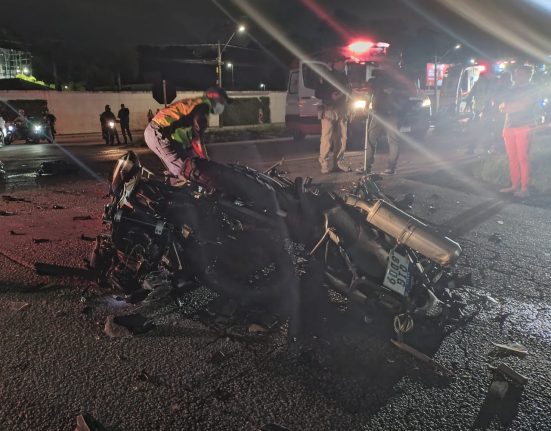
(113, 29)
(132, 22)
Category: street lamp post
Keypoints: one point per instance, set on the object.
(221, 49)
(436, 96)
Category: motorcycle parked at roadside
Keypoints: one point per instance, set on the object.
(258, 236)
(32, 132)
(109, 132)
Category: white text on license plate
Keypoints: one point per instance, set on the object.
(398, 277)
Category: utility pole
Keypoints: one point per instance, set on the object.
(219, 62)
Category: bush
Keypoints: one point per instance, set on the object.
(495, 168)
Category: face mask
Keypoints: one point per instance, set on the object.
(218, 108)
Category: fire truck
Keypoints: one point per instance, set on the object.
(362, 57)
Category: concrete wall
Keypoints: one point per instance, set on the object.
(78, 112)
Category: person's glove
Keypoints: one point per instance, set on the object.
(198, 148)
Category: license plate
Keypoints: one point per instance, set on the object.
(405, 129)
(398, 273)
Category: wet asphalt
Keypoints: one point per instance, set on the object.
(200, 371)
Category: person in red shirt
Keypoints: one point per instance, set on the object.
(520, 107)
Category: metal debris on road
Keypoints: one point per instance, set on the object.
(127, 325)
(86, 217)
(57, 167)
(14, 233)
(432, 209)
(274, 427)
(17, 305)
(58, 207)
(508, 372)
(111, 329)
(6, 213)
(40, 240)
(500, 222)
(87, 238)
(86, 422)
(255, 328)
(513, 348)
(422, 357)
(9, 198)
(60, 270)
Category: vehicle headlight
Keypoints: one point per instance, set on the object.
(37, 127)
(426, 102)
(11, 128)
(359, 104)
(111, 124)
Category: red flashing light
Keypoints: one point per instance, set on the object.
(481, 68)
(360, 46)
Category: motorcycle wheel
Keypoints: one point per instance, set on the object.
(268, 279)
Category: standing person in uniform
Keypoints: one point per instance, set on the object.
(334, 117)
(386, 107)
(124, 118)
(520, 107)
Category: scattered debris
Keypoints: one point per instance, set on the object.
(491, 299)
(86, 217)
(58, 207)
(9, 198)
(511, 374)
(128, 325)
(62, 271)
(113, 330)
(255, 328)
(17, 305)
(512, 348)
(263, 318)
(40, 240)
(500, 222)
(86, 422)
(14, 233)
(87, 238)
(406, 203)
(495, 238)
(422, 357)
(432, 209)
(6, 213)
(274, 427)
(57, 167)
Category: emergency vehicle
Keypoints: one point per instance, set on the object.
(362, 57)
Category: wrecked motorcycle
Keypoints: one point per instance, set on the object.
(249, 237)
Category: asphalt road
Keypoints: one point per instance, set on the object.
(207, 372)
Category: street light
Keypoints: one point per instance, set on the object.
(221, 49)
(230, 66)
(436, 98)
(26, 71)
(262, 86)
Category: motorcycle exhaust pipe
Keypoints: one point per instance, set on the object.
(408, 230)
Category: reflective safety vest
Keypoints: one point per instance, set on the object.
(181, 108)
